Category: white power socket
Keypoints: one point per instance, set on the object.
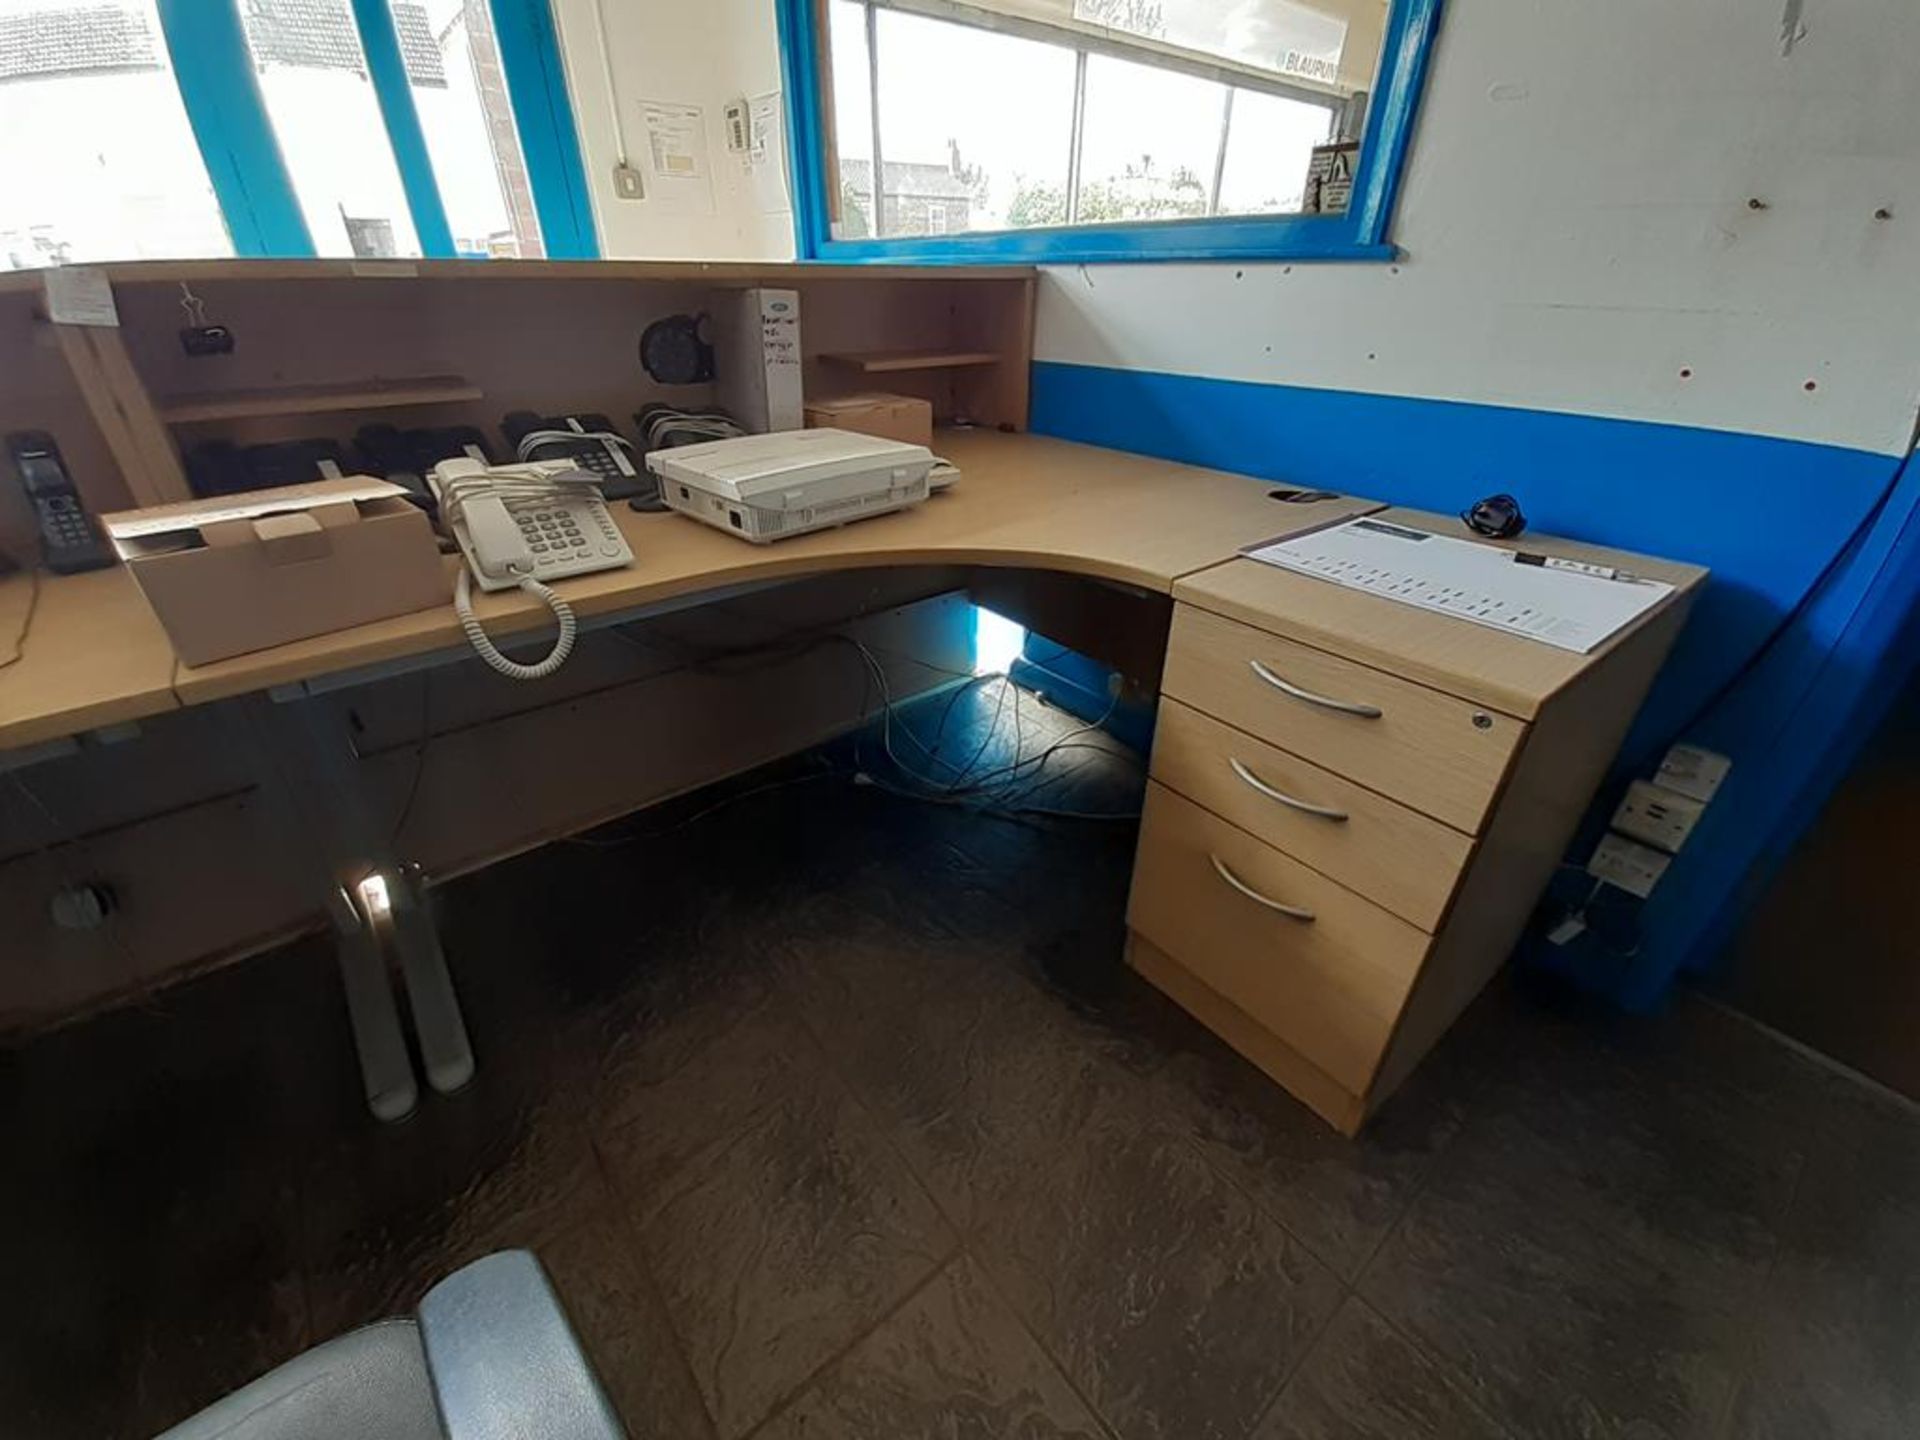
(1693, 772)
(1661, 817)
(1632, 867)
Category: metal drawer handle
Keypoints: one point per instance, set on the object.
(1325, 702)
(1305, 807)
(1292, 912)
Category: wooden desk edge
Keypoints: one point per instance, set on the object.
(426, 631)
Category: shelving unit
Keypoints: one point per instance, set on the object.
(882, 362)
(318, 399)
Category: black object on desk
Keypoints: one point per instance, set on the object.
(70, 538)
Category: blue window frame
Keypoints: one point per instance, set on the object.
(508, 46)
(1361, 233)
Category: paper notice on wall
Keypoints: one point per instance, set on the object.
(80, 295)
(766, 158)
(677, 138)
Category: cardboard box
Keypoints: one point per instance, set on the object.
(248, 571)
(891, 417)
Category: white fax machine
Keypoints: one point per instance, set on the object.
(767, 487)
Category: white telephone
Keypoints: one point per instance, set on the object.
(521, 526)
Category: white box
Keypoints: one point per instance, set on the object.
(769, 487)
(756, 358)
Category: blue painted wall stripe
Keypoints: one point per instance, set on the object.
(388, 71)
(214, 68)
(1765, 515)
(1811, 616)
(543, 112)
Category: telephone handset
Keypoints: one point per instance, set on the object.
(69, 538)
(542, 521)
(519, 527)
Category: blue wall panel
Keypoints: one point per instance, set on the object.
(1765, 515)
(1807, 623)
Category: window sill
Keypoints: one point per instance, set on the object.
(1307, 238)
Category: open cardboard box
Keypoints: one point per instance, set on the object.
(248, 571)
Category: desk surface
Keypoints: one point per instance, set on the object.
(95, 654)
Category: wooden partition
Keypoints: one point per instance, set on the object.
(324, 347)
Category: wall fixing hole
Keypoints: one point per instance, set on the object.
(1810, 385)
(1686, 372)
(1372, 356)
(1239, 274)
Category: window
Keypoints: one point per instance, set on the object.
(111, 171)
(452, 58)
(326, 119)
(363, 128)
(1100, 129)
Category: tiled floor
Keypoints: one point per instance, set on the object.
(831, 1116)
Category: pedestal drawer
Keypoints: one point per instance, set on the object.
(1402, 859)
(1427, 749)
(1323, 969)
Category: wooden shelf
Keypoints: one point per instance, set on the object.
(880, 362)
(318, 399)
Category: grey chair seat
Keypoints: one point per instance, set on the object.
(372, 1383)
(489, 1356)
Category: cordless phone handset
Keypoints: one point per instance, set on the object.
(520, 526)
(70, 540)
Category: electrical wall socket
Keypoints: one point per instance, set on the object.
(1693, 772)
(1661, 817)
(1628, 865)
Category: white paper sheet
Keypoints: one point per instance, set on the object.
(677, 137)
(79, 295)
(1488, 585)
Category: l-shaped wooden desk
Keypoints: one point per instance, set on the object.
(1327, 873)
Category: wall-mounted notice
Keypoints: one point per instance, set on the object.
(677, 138)
(766, 158)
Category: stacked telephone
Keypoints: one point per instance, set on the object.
(521, 526)
(589, 441)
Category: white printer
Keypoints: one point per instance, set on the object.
(767, 487)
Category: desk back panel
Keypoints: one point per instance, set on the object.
(208, 853)
(325, 342)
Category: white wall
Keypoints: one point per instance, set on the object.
(702, 52)
(1578, 232)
